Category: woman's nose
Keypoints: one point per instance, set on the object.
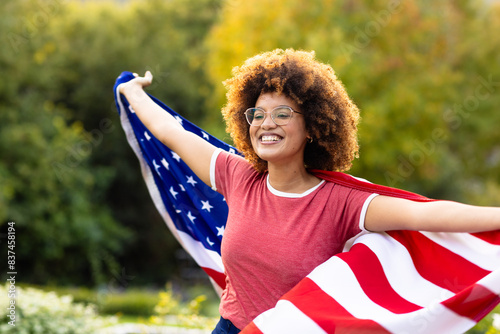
(268, 122)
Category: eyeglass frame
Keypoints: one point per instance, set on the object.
(271, 113)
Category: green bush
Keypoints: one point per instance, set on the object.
(132, 302)
(34, 311)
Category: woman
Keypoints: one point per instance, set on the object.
(288, 113)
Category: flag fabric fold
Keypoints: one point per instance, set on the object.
(394, 282)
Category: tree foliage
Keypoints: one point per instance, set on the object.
(68, 178)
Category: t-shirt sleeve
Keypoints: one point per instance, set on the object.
(351, 211)
(225, 169)
(364, 209)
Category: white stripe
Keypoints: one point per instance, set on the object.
(336, 279)
(475, 250)
(492, 282)
(349, 243)
(435, 319)
(286, 318)
(364, 209)
(204, 257)
(359, 178)
(400, 271)
(213, 161)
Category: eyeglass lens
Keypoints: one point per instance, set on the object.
(280, 116)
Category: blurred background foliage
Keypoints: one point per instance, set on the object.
(425, 74)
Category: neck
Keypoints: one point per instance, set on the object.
(291, 179)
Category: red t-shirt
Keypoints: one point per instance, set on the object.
(274, 239)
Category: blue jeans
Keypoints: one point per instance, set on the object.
(225, 327)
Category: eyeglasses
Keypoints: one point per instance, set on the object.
(280, 115)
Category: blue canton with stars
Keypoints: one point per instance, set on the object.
(194, 207)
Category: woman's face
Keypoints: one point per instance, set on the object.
(279, 144)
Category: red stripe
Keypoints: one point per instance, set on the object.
(438, 264)
(251, 329)
(327, 312)
(491, 237)
(475, 302)
(368, 270)
(349, 181)
(217, 276)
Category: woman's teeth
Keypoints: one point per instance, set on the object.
(267, 139)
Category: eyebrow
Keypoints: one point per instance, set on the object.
(281, 105)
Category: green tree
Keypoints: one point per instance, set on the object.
(68, 177)
(47, 186)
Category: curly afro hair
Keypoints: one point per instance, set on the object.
(331, 117)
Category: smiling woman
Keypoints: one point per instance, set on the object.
(289, 113)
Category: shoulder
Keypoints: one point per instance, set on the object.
(227, 160)
(229, 169)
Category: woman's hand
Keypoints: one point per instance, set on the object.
(138, 83)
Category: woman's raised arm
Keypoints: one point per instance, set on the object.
(390, 213)
(195, 151)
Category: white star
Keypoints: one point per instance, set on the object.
(220, 230)
(131, 109)
(205, 135)
(191, 180)
(231, 150)
(156, 167)
(178, 119)
(209, 242)
(173, 192)
(176, 157)
(164, 163)
(206, 205)
(182, 187)
(191, 217)
(148, 137)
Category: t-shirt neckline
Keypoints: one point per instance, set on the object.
(291, 195)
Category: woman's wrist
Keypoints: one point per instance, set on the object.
(133, 91)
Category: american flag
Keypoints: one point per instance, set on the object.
(394, 282)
